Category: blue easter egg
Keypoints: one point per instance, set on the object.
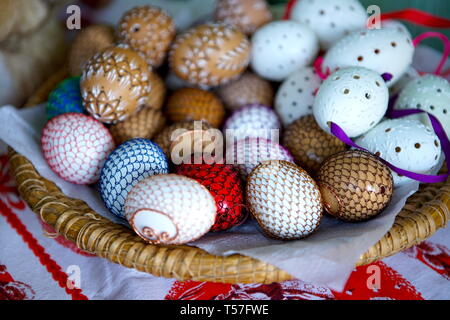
(130, 163)
(66, 98)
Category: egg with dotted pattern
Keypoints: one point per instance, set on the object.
(130, 163)
(65, 98)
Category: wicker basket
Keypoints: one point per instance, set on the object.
(424, 213)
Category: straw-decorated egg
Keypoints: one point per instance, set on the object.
(225, 185)
(148, 30)
(405, 143)
(284, 200)
(355, 185)
(210, 54)
(170, 209)
(195, 104)
(281, 47)
(248, 89)
(247, 15)
(295, 97)
(158, 91)
(65, 98)
(355, 98)
(330, 19)
(309, 144)
(115, 83)
(130, 163)
(75, 147)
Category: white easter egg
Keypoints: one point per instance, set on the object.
(281, 47)
(409, 75)
(355, 98)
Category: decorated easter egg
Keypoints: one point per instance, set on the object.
(148, 30)
(195, 104)
(65, 98)
(309, 144)
(170, 209)
(284, 200)
(355, 185)
(355, 98)
(330, 19)
(130, 163)
(409, 75)
(281, 47)
(295, 97)
(75, 147)
(210, 54)
(385, 50)
(90, 41)
(224, 183)
(248, 89)
(155, 99)
(405, 143)
(115, 83)
(247, 15)
(144, 124)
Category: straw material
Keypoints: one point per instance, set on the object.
(425, 212)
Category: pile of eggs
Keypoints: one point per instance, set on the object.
(249, 82)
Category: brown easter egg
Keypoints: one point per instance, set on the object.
(157, 93)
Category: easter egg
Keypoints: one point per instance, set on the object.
(355, 98)
(130, 163)
(65, 98)
(309, 144)
(115, 83)
(330, 19)
(355, 185)
(148, 30)
(195, 104)
(248, 89)
(284, 200)
(247, 15)
(409, 75)
(281, 47)
(155, 99)
(170, 209)
(75, 147)
(224, 184)
(385, 50)
(296, 95)
(210, 54)
(405, 143)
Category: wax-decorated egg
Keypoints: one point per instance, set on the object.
(282, 47)
(330, 19)
(385, 50)
(130, 163)
(148, 30)
(210, 54)
(405, 143)
(158, 91)
(295, 97)
(355, 98)
(90, 41)
(170, 209)
(115, 83)
(195, 104)
(355, 185)
(75, 147)
(309, 144)
(225, 185)
(248, 89)
(65, 98)
(284, 200)
(247, 15)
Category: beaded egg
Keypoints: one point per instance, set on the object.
(65, 98)
(114, 84)
(170, 209)
(210, 54)
(224, 183)
(284, 200)
(148, 30)
(355, 185)
(75, 147)
(130, 163)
